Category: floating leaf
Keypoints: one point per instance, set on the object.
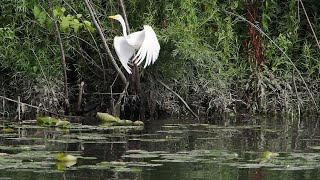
(66, 157)
(46, 120)
(8, 130)
(112, 164)
(123, 122)
(65, 164)
(138, 123)
(268, 154)
(62, 123)
(107, 117)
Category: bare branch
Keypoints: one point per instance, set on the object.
(314, 34)
(180, 98)
(105, 45)
(63, 60)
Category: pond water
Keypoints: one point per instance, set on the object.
(163, 149)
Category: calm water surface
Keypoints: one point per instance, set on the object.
(164, 149)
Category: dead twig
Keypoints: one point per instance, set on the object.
(180, 98)
(29, 105)
(81, 91)
(314, 34)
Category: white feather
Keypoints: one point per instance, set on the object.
(149, 49)
(146, 41)
(124, 51)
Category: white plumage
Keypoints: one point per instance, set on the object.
(144, 41)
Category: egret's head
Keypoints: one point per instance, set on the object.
(116, 17)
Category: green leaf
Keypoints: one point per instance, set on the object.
(65, 157)
(234, 5)
(62, 123)
(63, 9)
(46, 120)
(76, 25)
(268, 154)
(36, 11)
(87, 24)
(55, 12)
(42, 18)
(65, 24)
(35, 68)
(107, 117)
(79, 16)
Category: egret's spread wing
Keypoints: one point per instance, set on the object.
(149, 49)
(124, 51)
(136, 38)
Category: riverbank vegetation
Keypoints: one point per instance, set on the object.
(220, 57)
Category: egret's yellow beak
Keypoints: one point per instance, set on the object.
(112, 17)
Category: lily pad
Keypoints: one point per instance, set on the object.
(64, 157)
(141, 156)
(65, 164)
(106, 117)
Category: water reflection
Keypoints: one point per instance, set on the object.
(165, 149)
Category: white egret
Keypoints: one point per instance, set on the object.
(146, 41)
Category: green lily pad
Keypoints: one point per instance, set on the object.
(112, 164)
(46, 120)
(141, 156)
(107, 117)
(65, 157)
(268, 154)
(62, 165)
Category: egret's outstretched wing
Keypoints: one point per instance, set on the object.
(149, 49)
(124, 51)
(136, 38)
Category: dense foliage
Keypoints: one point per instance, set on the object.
(210, 55)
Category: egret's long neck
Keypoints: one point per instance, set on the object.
(124, 29)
